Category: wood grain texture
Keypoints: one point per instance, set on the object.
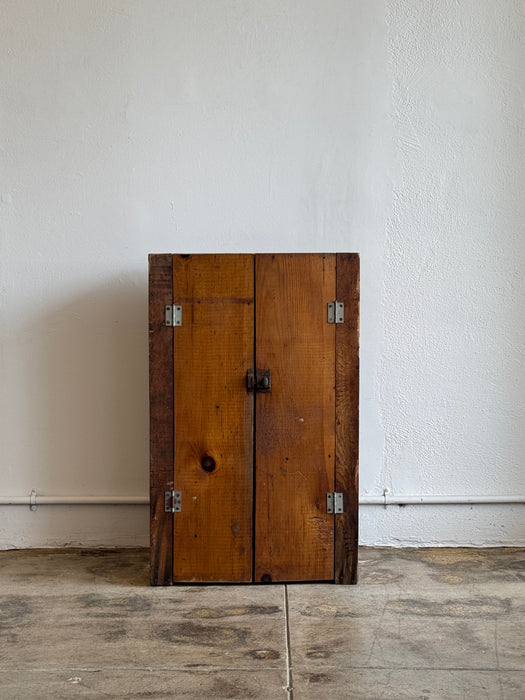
(161, 418)
(213, 349)
(295, 445)
(347, 419)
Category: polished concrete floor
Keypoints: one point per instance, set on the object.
(422, 624)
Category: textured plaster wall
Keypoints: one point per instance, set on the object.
(451, 379)
(393, 128)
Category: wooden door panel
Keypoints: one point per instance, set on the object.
(161, 418)
(295, 443)
(213, 418)
(347, 419)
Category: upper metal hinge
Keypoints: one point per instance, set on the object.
(334, 503)
(172, 501)
(173, 315)
(336, 312)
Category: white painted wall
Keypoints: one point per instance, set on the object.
(394, 128)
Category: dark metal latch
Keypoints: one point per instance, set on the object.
(259, 380)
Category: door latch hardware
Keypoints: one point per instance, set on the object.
(336, 312)
(173, 315)
(172, 501)
(334, 503)
(260, 381)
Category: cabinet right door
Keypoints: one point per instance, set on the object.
(295, 423)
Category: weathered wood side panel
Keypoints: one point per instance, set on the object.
(161, 418)
(347, 419)
(295, 443)
(213, 349)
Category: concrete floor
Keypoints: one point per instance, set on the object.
(424, 624)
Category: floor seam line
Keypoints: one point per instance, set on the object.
(289, 679)
(130, 669)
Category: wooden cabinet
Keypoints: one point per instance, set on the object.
(253, 417)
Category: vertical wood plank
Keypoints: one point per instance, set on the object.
(295, 443)
(213, 349)
(347, 419)
(161, 418)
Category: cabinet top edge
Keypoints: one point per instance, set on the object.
(191, 255)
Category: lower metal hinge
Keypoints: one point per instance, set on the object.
(172, 501)
(336, 312)
(334, 503)
(173, 315)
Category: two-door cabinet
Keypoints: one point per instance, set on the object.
(254, 395)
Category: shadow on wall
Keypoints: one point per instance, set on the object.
(84, 411)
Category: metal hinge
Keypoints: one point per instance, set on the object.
(334, 503)
(173, 315)
(336, 312)
(172, 501)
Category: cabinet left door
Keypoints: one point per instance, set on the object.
(212, 419)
